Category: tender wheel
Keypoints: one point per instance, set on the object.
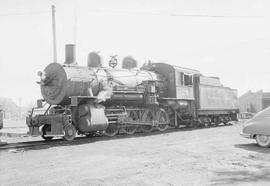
(263, 140)
(44, 130)
(148, 116)
(207, 122)
(131, 129)
(163, 120)
(112, 130)
(228, 120)
(69, 132)
(216, 122)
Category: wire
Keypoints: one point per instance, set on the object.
(177, 14)
(217, 16)
(145, 13)
(24, 13)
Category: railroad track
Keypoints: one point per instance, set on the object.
(42, 144)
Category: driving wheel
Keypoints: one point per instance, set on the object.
(163, 120)
(148, 117)
(131, 128)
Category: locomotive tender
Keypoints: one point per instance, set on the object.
(94, 99)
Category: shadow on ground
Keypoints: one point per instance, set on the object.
(253, 168)
(253, 147)
(41, 144)
(242, 177)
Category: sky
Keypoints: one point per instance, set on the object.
(234, 44)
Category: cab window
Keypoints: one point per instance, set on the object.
(188, 80)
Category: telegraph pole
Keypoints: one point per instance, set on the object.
(54, 35)
(2, 125)
(75, 23)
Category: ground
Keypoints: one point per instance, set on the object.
(209, 156)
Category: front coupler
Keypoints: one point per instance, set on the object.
(52, 123)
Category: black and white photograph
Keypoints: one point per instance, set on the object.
(134, 92)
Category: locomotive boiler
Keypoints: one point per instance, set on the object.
(94, 99)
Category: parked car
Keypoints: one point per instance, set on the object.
(258, 128)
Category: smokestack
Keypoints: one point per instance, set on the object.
(70, 54)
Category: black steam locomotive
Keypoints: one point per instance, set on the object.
(93, 99)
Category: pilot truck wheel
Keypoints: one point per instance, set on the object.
(112, 130)
(69, 132)
(263, 140)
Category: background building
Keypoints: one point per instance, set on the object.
(254, 101)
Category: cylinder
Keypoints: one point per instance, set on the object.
(89, 118)
(70, 54)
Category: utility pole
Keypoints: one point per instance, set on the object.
(75, 22)
(2, 125)
(54, 35)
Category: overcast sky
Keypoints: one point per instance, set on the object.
(234, 48)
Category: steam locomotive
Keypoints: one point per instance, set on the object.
(94, 100)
